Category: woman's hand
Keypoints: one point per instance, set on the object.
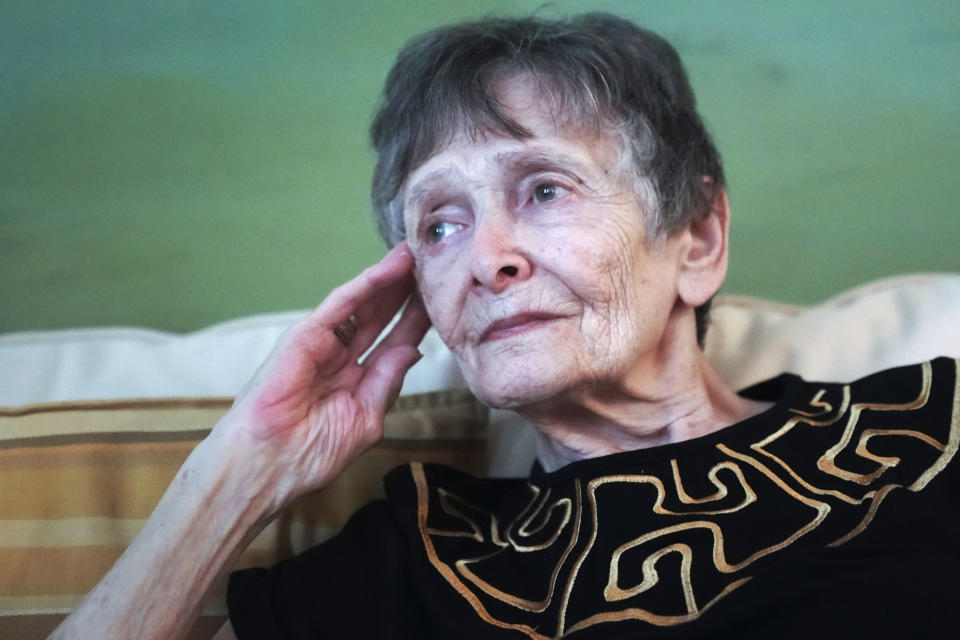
(309, 410)
(313, 406)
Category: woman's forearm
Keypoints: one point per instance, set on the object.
(157, 589)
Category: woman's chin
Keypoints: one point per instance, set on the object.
(512, 373)
(512, 392)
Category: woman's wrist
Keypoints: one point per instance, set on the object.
(224, 473)
(245, 473)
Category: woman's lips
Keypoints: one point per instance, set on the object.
(514, 325)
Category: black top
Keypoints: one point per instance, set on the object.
(835, 513)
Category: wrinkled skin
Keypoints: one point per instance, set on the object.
(314, 406)
(501, 227)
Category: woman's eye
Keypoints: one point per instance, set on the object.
(546, 192)
(437, 231)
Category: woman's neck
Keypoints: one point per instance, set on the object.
(671, 401)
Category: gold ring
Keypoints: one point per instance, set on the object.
(346, 331)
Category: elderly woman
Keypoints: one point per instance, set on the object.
(558, 213)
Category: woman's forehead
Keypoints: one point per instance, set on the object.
(584, 153)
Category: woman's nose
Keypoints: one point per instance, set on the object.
(498, 259)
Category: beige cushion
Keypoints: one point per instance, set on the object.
(877, 326)
(80, 478)
(889, 322)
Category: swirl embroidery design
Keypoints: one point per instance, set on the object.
(689, 548)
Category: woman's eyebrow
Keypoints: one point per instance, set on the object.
(526, 160)
(426, 186)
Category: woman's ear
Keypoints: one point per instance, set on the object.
(703, 259)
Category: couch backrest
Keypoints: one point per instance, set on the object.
(883, 324)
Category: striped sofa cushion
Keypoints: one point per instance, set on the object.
(77, 480)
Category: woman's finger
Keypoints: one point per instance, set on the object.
(409, 329)
(387, 364)
(383, 378)
(359, 306)
(343, 301)
(376, 315)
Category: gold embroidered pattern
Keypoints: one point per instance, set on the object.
(819, 479)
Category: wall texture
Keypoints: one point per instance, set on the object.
(176, 164)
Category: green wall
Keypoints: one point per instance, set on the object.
(176, 164)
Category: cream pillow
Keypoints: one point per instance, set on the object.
(875, 326)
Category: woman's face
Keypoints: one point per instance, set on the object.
(532, 260)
